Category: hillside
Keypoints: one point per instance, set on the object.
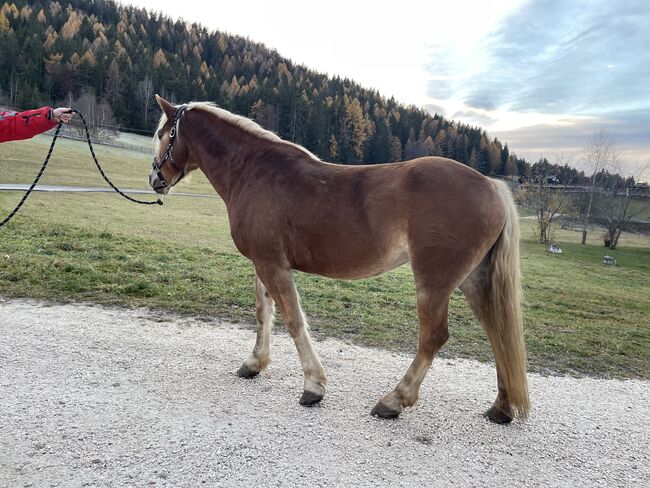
(111, 58)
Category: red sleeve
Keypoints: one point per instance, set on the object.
(24, 125)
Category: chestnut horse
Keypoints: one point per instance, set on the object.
(290, 211)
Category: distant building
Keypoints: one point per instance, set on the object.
(552, 180)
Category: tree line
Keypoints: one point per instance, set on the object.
(109, 59)
(604, 198)
(62, 51)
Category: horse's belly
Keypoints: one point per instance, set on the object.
(353, 264)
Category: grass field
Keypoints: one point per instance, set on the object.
(581, 316)
(640, 209)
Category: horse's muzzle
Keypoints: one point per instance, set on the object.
(158, 185)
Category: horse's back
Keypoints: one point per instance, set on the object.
(379, 216)
(356, 221)
(422, 195)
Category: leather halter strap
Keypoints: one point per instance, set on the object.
(167, 156)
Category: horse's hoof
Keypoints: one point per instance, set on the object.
(246, 372)
(384, 412)
(498, 415)
(310, 398)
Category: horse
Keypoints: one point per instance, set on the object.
(288, 210)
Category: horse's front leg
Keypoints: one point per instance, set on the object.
(264, 313)
(279, 283)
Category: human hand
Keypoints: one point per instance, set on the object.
(62, 114)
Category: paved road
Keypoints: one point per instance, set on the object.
(83, 189)
(93, 396)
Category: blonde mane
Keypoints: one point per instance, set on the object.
(238, 121)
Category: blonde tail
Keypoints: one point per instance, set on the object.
(502, 309)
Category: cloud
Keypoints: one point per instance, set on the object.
(432, 108)
(561, 58)
(629, 132)
(440, 88)
(555, 56)
(474, 117)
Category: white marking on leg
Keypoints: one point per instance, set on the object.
(315, 378)
(283, 289)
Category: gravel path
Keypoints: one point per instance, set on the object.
(94, 396)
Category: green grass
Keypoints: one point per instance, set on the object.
(71, 164)
(640, 209)
(581, 317)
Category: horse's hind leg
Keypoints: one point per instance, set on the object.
(280, 285)
(474, 288)
(432, 312)
(264, 313)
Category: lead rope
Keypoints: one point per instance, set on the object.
(92, 152)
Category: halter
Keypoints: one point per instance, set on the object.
(170, 147)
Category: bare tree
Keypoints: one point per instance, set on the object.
(98, 116)
(144, 94)
(87, 105)
(547, 202)
(621, 200)
(106, 120)
(13, 88)
(600, 153)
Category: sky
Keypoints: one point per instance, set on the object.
(541, 75)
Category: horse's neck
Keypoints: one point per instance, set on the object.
(223, 171)
(224, 156)
(231, 157)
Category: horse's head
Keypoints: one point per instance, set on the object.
(172, 161)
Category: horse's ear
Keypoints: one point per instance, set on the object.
(166, 107)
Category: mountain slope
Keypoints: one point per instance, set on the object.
(58, 51)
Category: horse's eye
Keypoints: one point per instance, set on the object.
(160, 134)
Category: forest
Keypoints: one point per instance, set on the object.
(112, 58)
